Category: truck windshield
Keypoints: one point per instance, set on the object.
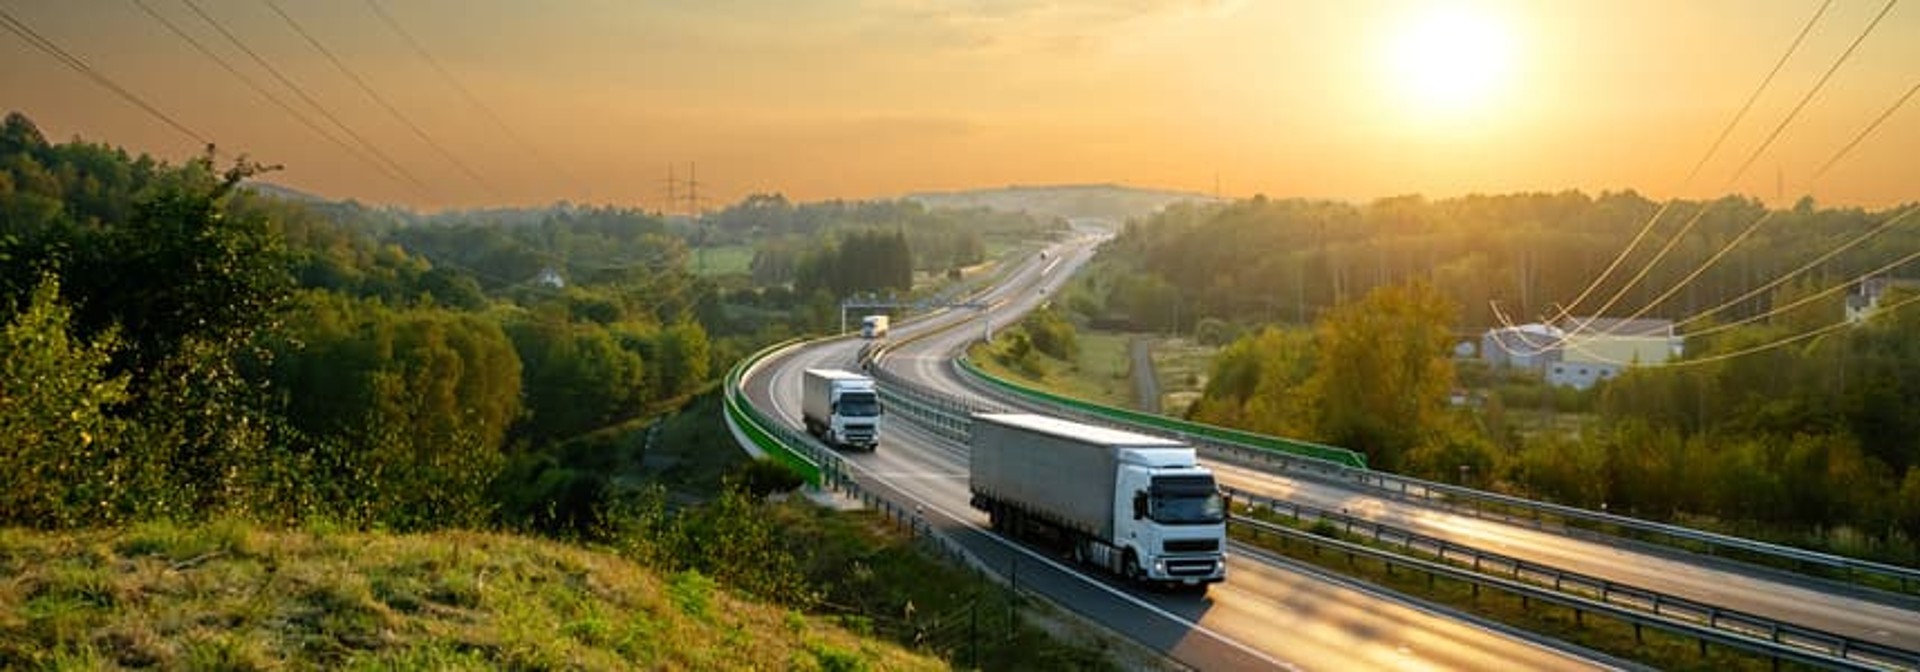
(1185, 500)
(1206, 509)
(859, 405)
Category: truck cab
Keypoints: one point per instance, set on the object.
(1171, 518)
(842, 408)
(874, 326)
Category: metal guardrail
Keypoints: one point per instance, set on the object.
(1193, 431)
(1709, 624)
(753, 430)
(1819, 641)
(1581, 605)
(1866, 573)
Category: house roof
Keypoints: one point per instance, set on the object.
(1613, 326)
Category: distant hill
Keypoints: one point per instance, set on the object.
(284, 192)
(1107, 201)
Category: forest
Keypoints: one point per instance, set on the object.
(1339, 323)
(180, 345)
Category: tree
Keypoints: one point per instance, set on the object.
(59, 443)
(1383, 376)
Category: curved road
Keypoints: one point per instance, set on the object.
(1880, 618)
(1268, 614)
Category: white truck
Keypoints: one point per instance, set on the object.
(1134, 505)
(842, 408)
(874, 326)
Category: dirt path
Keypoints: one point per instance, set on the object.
(1146, 384)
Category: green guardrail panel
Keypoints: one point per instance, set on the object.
(1318, 451)
(754, 425)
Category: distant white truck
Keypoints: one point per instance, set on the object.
(1131, 504)
(842, 408)
(874, 326)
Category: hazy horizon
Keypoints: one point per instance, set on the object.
(879, 98)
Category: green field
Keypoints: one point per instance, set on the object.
(1101, 373)
(1183, 365)
(721, 260)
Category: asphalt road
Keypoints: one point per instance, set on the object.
(1881, 618)
(1267, 615)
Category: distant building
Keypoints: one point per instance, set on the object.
(1865, 297)
(1599, 348)
(1581, 351)
(1527, 346)
(550, 278)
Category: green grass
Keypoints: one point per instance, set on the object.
(720, 260)
(1101, 372)
(882, 582)
(231, 596)
(1184, 365)
(1593, 631)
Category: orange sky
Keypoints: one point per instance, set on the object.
(871, 98)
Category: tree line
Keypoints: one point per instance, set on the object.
(178, 345)
(1266, 260)
(1813, 442)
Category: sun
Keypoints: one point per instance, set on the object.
(1449, 58)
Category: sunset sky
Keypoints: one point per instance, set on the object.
(873, 98)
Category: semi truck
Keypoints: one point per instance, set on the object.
(874, 326)
(842, 408)
(1134, 505)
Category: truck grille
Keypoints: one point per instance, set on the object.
(1190, 567)
(1192, 545)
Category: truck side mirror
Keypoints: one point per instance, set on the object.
(1139, 504)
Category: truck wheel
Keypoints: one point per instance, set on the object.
(1130, 567)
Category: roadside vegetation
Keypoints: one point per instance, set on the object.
(248, 432)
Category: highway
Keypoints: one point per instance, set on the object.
(1845, 610)
(1269, 614)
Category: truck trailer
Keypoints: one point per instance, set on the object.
(842, 408)
(1134, 505)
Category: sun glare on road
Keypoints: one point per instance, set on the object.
(1445, 59)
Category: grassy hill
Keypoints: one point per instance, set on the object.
(232, 596)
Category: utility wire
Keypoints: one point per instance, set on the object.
(38, 41)
(375, 95)
(1755, 97)
(1770, 345)
(1776, 310)
(308, 98)
(467, 94)
(1765, 82)
(263, 92)
(1817, 85)
(1865, 131)
(1784, 277)
(1764, 218)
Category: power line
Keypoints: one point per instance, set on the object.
(467, 94)
(38, 41)
(1791, 114)
(1776, 282)
(1865, 131)
(1817, 85)
(375, 95)
(310, 101)
(1770, 345)
(263, 92)
(1713, 149)
(1776, 310)
(1764, 82)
